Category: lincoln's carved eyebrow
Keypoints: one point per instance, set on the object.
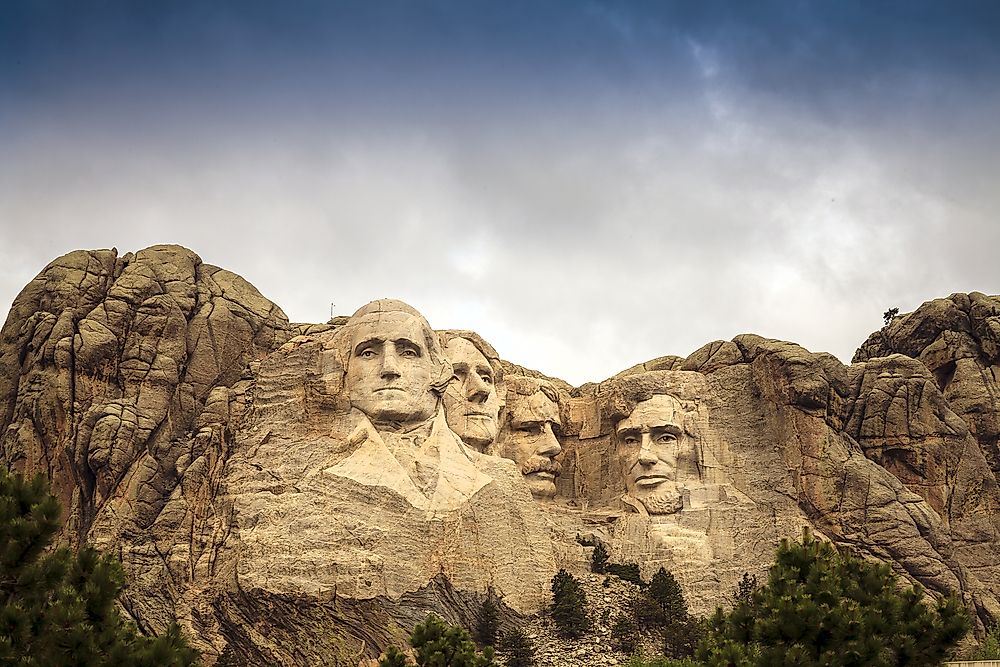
(637, 428)
(366, 343)
(669, 428)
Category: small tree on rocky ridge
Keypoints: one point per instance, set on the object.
(569, 605)
(599, 559)
(488, 621)
(517, 648)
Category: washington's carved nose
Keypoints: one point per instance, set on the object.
(389, 366)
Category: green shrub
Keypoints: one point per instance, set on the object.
(989, 649)
(437, 644)
(625, 634)
(627, 572)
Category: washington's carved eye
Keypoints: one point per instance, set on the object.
(488, 379)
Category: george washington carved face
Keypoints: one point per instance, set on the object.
(392, 368)
(648, 443)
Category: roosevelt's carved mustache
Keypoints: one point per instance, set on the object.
(545, 465)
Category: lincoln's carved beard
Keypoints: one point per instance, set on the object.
(667, 499)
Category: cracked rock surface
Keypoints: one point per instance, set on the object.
(186, 426)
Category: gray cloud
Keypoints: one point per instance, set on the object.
(685, 186)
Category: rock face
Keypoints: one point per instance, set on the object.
(304, 494)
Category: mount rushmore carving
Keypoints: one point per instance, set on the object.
(304, 493)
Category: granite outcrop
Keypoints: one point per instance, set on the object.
(302, 494)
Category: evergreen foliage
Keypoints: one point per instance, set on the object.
(488, 621)
(627, 572)
(661, 661)
(517, 648)
(662, 607)
(58, 607)
(889, 315)
(665, 601)
(681, 637)
(436, 644)
(823, 607)
(599, 559)
(625, 633)
(569, 605)
(989, 649)
(745, 589)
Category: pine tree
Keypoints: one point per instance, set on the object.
(824, 607)
(599, 559)
(569, 605)
(661, 607)
(745, 589)
(437, 644)
(488, 621)
(666, 598)
(58, 608)
(517, 648)
(625, 633)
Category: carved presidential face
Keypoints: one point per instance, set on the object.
(390, 371)
(530, 440)
(471, 403)
(648, 445)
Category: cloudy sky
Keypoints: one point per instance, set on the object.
(587, 184)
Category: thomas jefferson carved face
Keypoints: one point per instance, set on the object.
(648, 445)
(471, 403)
(390, 370)
(530, 436)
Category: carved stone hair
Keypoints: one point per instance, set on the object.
(484, 348)
(522, 385)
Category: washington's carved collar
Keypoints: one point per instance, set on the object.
(428, 465)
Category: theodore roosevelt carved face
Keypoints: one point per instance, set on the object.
(648, 443)
(529, 433)
(473, 399)
(394, 365)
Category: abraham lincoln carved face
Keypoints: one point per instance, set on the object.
(648, 444)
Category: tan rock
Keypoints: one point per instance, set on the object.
(304, 494)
